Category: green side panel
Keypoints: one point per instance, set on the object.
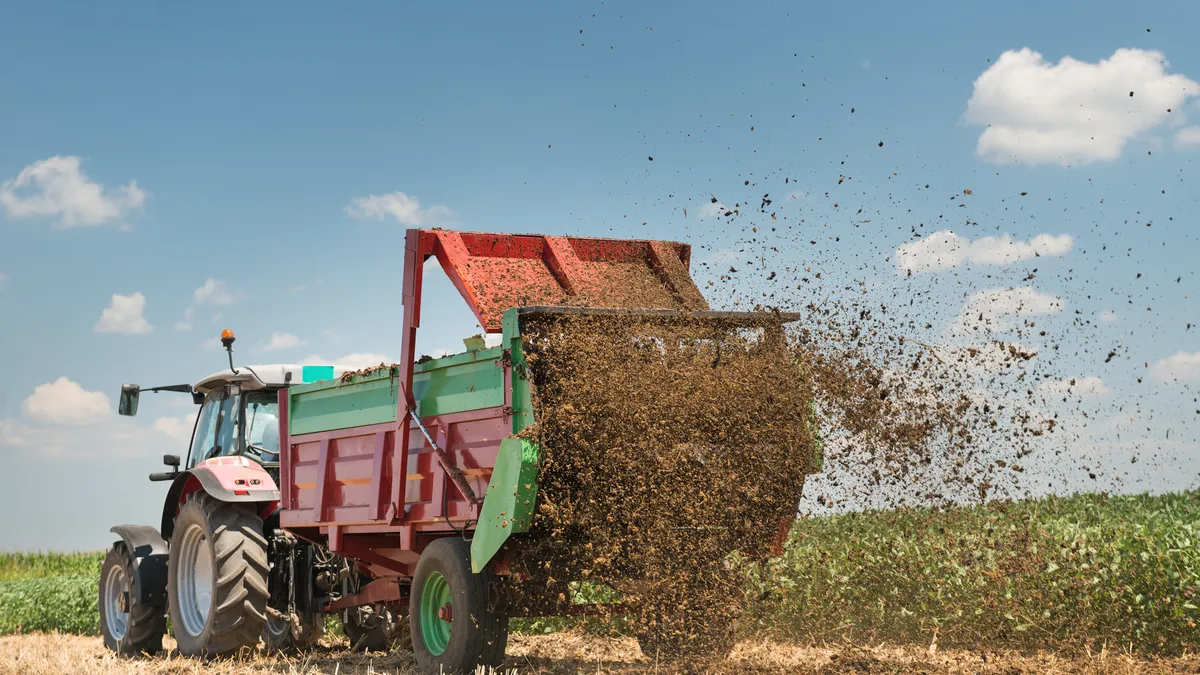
(322, 406)
(511, 496)
(469, 381)
(315, 373)
(455, 383)
(522, 401)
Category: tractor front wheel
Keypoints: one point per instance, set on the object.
(451, 612)
(128, 626)
(217, 577)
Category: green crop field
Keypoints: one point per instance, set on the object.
(1086, 571)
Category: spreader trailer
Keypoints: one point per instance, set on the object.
(401, 497)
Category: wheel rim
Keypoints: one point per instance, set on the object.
(195, 577)
(435, 631)
(115, 584)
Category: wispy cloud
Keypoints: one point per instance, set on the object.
(280, 341)
(58, 188)
(404, 208)
(945, 249)
(124, 315)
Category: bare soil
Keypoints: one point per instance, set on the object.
(575, 653)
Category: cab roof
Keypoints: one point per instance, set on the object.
(270, 376)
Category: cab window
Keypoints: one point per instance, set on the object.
(227, 422)
(216, 430)
(261, 413)
(206, 429)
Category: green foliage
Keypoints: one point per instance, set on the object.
(31, 565)
(1088, 570)
(64, 603)
(1064, 573)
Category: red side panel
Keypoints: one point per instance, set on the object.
(346, 477)
(497, 271)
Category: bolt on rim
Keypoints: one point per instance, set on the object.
(195, 580)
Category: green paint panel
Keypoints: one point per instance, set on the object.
(457, 383)
(316, 373)
(522, 399)
(469, 383)
(322, 406)
(511, 497)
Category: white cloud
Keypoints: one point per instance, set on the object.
(213, 292)
(1108, 316)
(710, 210)
(405, 209)
(57, 188)
(177, 428)
(994, 310)
(281, 341)
(355, 360)
(1077, 386)
(65, 402)
(185, 324)
(1037, 112)
(1180, 366)
(1188, 137)
(945, 249)
(124, 316)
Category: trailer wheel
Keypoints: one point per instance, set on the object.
(454, 628)
(217, 577)
(128, 626)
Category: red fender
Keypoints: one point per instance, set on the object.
(229, 479)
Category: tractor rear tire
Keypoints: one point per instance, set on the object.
(476, 635)
(129, 627)
(217, 577)
(286, 633)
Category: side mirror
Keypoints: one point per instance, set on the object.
(128, 404)
(171, 460)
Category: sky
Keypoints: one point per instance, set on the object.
(170, 171)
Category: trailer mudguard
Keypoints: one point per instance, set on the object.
(229, 479)
(149, 553)
(511, 497)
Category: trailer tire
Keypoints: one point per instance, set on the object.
(217, 576)
(477, 634)
(129, 627)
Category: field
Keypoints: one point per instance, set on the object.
(1090, 583)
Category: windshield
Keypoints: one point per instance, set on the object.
(262, 426)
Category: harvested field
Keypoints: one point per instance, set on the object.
(47, 654)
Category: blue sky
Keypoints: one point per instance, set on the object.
(255, 167)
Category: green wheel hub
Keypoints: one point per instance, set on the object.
(435, 594)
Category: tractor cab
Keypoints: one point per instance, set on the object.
(239, 409)
(239, 414)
